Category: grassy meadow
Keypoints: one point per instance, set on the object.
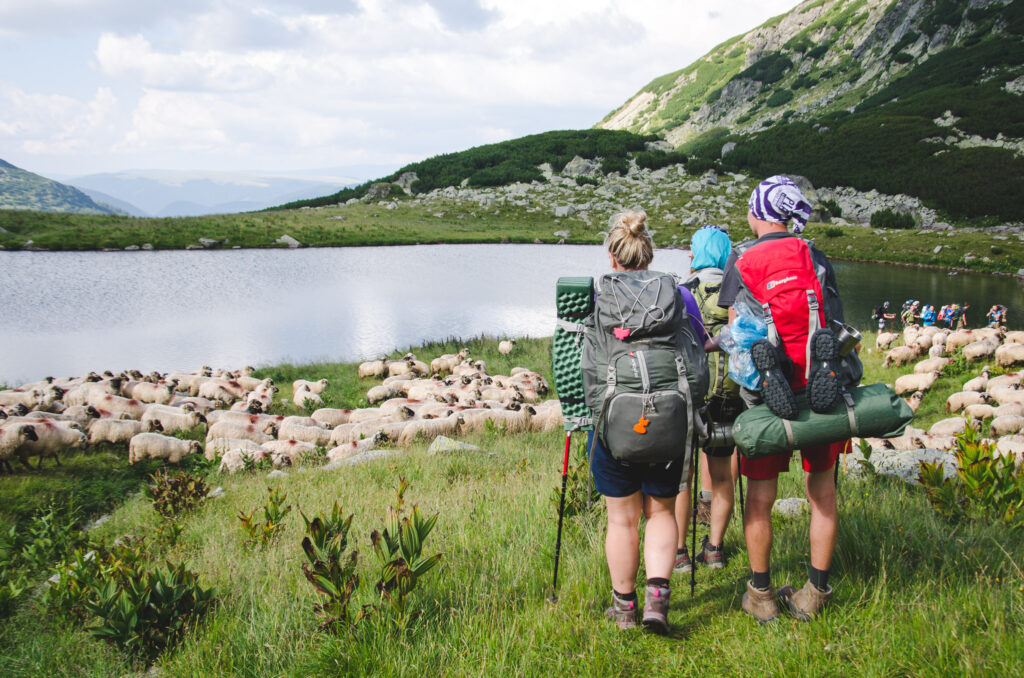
(915, 595)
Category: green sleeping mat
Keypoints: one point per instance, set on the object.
(574, 301)
(877, 412)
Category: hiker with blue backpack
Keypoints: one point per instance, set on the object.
(710, 248)
(645, 375)
(792, 284)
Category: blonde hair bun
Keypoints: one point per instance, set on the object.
(629, 241)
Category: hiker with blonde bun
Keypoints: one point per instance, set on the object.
(636, 489)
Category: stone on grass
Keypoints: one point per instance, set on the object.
(276, 473)
(215, 493)
(289, 241)
(791, 507)
(443, 444)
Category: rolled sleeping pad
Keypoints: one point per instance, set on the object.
(877, 412)
(574, 301)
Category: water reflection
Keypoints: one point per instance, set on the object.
(65, 313)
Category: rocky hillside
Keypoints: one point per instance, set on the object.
(902, 96)
(23, 190)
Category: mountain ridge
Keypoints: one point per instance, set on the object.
(24, 190)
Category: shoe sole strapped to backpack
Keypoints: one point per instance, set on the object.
(775, 389)
(823, 386)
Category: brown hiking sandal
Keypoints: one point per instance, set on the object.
(703, 511)
(760, 604)
(656, 609)
(806, 603)
(622, 612)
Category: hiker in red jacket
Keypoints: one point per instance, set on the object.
(761, 273)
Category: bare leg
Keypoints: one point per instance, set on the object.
(660, 536)
(821, 493)
(720, 471)
(757, 522)
(622, 544)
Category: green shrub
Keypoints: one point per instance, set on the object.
(903, 58)
(329, 569)
(833, 232)
(985, 487)
(887, 218)
(274, 512)
(399, 550)
(582, 180)
(768, 69)
(612, 164)
(833, 208)
(175, 495)
(699, 165)
(658, 159)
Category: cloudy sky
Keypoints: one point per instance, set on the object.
(105, 85)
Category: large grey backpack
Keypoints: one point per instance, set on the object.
(645, 372)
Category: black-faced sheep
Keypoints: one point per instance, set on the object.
(171, 422)
(505, 347)
(157, 446)
(12, 437)
(119, 431)
(51, 438)
(961, 399)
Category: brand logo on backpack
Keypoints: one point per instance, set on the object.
(775, 283)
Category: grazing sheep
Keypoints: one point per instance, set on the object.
(12, 437)
(1007, 425)
(347, 433)
(914, 401)
(353, 448)
(959, 339)
(937, 351)
(961, 399)
(265, 422)
(885, 340)
(303, 397)
(147, 392)
(985, 348)
(231, 429)
(224, 391)
(316, 435)
(252, 383)
(1008, 379)
(977, 383)
(979, 412)
(331, 416)
(475, 420)
(51, 438)
(948, 427)
(931, 365)
(373, 368)
(218, 447)
(116, 404)
(1012, 445)
(428, 429)
(295, 450)
(200, 405)
(171, 422)
(119, 430)
(445, 363)
(316, 387)
(548, 416)
(936, 442)
(1010, 408)
(1014, 337)
(1006, 394)
(907, 441)
(505, 347)
(915, 382)
(381, 393)
(30, 399)
(1009, 355)
(157, 446)
(900, 355)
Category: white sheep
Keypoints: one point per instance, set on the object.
(505, 347)
(547, 416)
(30, 399)
(265, 422)
(51, 438)
(948, 427)
(1012, 445)
(347, 433)
(218, 447)
(1009, 355)
(316, 387)
(959, 339)
(231, 429)
(428, 429)
(252, 383)
(937, 351)
(331, 416)
(979, 412)
(1007, 425)
(372, 368)
(931, 365)
(986, 348)
(900, 355)
(885, 340)
(303, 397)
(1008, 379)
(148, 392)
(961, 399)
(294, 450)
(12, 437)
(1014, 337)
(157, 446)
(225, 391)
(172, 422)
(351, 449)
(1006, 394)
(201, 405)
(381, 393)
(1010, 408)
(316, 435)
(475, 420)
(915, 382)
(116, 404)
(119, 431)
(979, 382)
(914, 401)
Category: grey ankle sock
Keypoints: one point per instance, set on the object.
(705, 495)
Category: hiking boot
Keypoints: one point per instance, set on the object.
(775, 389)
(622, 612)
(656, 608)
(703, 511)
(823, 387)
(683, 563)
(760, 603)
(806, 603)
(714, 559)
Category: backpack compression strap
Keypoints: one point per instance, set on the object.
(813, 325)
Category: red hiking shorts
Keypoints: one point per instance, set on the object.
(818, 458)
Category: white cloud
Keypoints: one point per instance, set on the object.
(55, 124)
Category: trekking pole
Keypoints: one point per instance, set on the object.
(694, 463)
(561, 513)
(743, 512)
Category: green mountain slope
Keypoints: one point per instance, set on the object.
(922, 97)
(23, 190)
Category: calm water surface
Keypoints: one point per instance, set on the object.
(65, 313)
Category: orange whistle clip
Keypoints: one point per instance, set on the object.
(641, 425)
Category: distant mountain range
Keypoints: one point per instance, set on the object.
(23, 190)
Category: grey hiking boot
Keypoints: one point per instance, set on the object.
(656, 608)
(806, 603)
(712, 558)
(760, 603)
(622, 612)
(683, 563)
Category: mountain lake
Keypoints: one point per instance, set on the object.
(66, 313)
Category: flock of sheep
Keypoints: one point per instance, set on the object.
(450, 396)
(997, 399)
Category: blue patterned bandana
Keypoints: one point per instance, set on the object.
(778, 199)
